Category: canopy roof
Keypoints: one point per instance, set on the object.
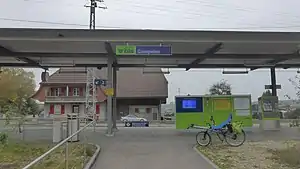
(190, 49)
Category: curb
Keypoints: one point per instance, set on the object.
(93, 159)
(206, 159)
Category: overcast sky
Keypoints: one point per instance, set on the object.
(274, 15)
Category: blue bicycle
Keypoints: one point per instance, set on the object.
(229, 131)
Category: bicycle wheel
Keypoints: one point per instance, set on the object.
(235, 139)
(203, 138)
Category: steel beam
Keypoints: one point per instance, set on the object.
(134, 36)
(195, 66)
(271, 62)
(110, 51)
(7, 52)
(199, 66)
(208, 53)
(174, 55)
(27, 65)
(279, 59)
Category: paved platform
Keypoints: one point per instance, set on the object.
(149, 148)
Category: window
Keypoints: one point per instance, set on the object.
(75, 91)
(75, 109)
(56, 91)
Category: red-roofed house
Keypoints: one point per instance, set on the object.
(137, 93)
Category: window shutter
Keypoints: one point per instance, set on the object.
(62, 109)
(51, 109)
(80, 91)
(62, 93)
(97, 108)
(70, 91)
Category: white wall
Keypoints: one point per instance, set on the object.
(81, 109)
(68, 108)
(103, 112)
(46, 109)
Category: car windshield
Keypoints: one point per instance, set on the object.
(131, 116)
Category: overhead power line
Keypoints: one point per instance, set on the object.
(83, 25)
(52, 23)
(188, 14)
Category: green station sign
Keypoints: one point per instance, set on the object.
(143, 50)
(125, 50)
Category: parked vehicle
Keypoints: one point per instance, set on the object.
(131, 117)
(167, 118)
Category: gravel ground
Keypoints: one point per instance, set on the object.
(252, 155)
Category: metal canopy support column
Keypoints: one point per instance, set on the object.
(280, 59)
(115, 98)
(109, 97)
(273, 82)
(110, 85)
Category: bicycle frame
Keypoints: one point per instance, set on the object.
(210, 130)
(218, 132)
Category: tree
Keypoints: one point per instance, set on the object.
(17, 86)
(296, 83)
(33, 107)
(293, 113)
(267, 93)
(220, 88)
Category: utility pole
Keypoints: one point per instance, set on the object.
(178, 90)
(91, 92)
(93, 6)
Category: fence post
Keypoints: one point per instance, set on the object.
(67, 146)
(67, 155)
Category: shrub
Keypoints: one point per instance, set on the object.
(3, 138)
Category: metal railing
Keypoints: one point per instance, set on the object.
(66, 151)
(65, 98)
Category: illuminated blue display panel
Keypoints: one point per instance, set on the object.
(189, 104)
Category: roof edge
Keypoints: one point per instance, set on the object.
(38, 91)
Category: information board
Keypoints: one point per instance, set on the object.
(270, 109)
(189, 104)
(243, 112)
(241, 103)
(143, 50)
(222, 104)
(125, 50)
(153, 50)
